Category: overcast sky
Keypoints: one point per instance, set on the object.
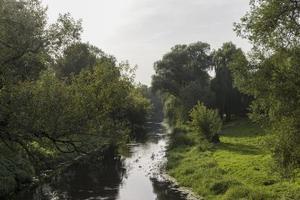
(141, 31)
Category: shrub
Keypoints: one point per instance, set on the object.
(206, 122)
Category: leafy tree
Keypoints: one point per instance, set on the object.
(184, 64)
(111, 102)
(79, 56)
(40, 113)
(27, 47)
(43, 116)
(271, 24)
(27, 44)
(228, 99)
(182, 73)
(98, 107)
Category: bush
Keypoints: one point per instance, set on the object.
(206, 122)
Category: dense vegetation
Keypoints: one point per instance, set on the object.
(263, 84)
(272, 74)
(59, 97)
(182, 77)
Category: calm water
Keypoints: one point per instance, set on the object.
(134, 177)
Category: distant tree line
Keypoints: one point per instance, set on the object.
(182, 77)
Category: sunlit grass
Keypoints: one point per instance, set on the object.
(240, 167)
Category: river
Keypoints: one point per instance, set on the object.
(136, 176)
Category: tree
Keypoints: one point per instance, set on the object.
(271, 24)
(184, 64)
(27, 47)
(228, 99)
(96, 107)
(79, 56)
(43, 116)
(183, 74)
(27, 44)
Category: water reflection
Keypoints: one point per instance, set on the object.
(87, 180)
(134, 177)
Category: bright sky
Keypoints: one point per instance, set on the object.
(141, 31)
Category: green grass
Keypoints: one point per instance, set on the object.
(240, 167)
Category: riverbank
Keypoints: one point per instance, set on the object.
(239, 167)
(137, 173)
(18, 175)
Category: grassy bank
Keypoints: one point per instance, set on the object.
(240, 167)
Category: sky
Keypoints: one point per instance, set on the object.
(141, 31)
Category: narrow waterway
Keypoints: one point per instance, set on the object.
(136, 176)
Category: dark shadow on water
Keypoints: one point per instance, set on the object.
(84, 180)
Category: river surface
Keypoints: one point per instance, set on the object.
(136, 176)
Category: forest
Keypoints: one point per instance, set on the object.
(233, 115)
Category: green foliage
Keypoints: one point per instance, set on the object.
(48, 117)
(274, 84)
(21, 39)
(79, 56)
(58, 97)
(240, 167)
(173, 110)
(137, 112)
(27, 44)
(180, 138)
(15, 170)
(206, 122)
(181, 75)
(273, 24)
(286, 150)
(272, 73)
(229, 100)
(183, 65)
